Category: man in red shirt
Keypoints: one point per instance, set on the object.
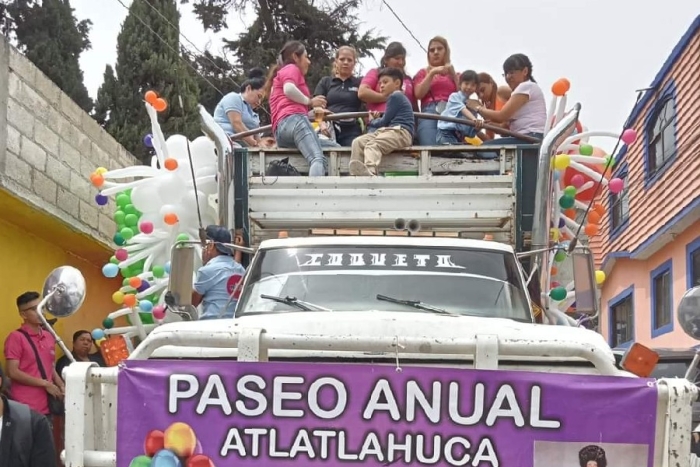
(28, 386)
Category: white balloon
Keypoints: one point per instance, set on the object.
(171, 187)
(203, 153)
(146, 198)
(177, 147)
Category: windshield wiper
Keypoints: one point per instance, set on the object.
(293, 301)
(415, 304)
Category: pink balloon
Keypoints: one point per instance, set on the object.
(629, 136)
(159, 312)
(577, 181)
(146, 227)
(616, 185)
(121, 254)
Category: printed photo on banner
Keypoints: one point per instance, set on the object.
(224, 413)
(557, 454)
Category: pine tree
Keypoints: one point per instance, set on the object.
(148, 58)
(48, 33)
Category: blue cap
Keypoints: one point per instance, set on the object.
(219, 235)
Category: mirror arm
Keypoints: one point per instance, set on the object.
(49, 328)
(692, 373)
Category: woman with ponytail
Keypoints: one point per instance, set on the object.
(290, 102)
(235, 112)
(369, 93)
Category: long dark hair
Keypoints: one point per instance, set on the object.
(394, 49)
(518, 62)
(255, 79)
(285, 57)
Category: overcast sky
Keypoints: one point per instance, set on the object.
(606, 48)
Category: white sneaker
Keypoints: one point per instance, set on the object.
(358, 169)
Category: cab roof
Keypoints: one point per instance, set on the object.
(297, 242)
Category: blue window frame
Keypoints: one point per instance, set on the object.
(692, 263)
(662, 299)
(660, 135)
(619, 205)
(621, 318)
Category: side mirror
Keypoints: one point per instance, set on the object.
(689, 319)
(64, 294)
(584, 281)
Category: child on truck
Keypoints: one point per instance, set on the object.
(394, 130)
(455, 133)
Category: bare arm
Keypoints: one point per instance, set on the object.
(196, 298)
(370, 96)
(515, 103)
(238, 125)
(421, 89)
(21, 377)
(58, 381)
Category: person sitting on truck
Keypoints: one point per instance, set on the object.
(394, 130)
(235, 112)
(369, 93)
(455, 133)
(526, 110)
(340, 91)
(290, 103)
(217, 280)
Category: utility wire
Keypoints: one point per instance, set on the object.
(408, 30)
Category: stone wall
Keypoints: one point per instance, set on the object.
(49, 146)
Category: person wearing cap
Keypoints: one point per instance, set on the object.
(215, 286)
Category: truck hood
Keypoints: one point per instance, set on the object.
(430, 328)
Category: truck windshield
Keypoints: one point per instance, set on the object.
(459, 281)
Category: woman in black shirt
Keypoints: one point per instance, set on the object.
(340, 91)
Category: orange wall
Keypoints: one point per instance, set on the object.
(27, 260)
(628, 272)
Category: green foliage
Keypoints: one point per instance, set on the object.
(215, 77)
(48, 33)
(148, 58)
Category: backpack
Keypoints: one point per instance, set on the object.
(22, 432)
(281, 168)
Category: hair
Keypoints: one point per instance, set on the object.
(487, 78)
(285, 57)
(518, 62)
(394, 49)
(469, 76)
(349, 48)
(77, 334)
(255, 79)
(443, 41)
(27, 297)
(393, 73)
(592, 453)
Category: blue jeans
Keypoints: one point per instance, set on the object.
(513, 140)
(296, 131)
(427, 130)
(448, 137)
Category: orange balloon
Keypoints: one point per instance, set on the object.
(594, 217)
(160, 104)
(599, 208)
(97, 180)
(554, 271)
(561, 87)
(570, 213)
(135, 282)
(130, 300)
(170, 218)
(150, 97)
(170, 163)
(591, 230)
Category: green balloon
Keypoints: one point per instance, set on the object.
(131, 220)
(158, 271)
(125, 282)
(108, 323)
(154, 298)
(113, 260)
(140, 461)
(585, 150)
(565, 202)
(126, 272)
(147, 318)
(183, 237)
(123, 199)
(559, 256)
(119, 216)
(568, 191)
(127, 233)
(131, 209)
(118, 239)
(558, 293)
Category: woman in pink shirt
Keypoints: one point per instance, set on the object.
(394, 57)
(433, 86)
(290, 101)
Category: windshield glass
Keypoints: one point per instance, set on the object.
(349, 278)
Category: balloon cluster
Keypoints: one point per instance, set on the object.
(177, 446)
(156, 206)
(580, 171)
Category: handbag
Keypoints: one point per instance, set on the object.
(56, 405)
(281, 168)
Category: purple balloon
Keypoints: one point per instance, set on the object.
(562, 223)
(101, 199)
(144, 286)
(148, 140)
(197, 448)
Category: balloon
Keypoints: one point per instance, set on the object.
(97, 180)
(159, 312)
(561, 87)
(160, 104)
(585, 150)
(118, 297)
(558, 293)
(121, 254)
(166, 458)
(616, 185)
(561, 161)
(150, 97)
(629, 136)
(170, 188)
(146, 198)
(599, 277)
(129, 300)
(577, 181)
(199, 460)
(108, 323)
(148, 141)
(180, 439)
(146, 227)
(101, 199)
(170, 164)
(587, 194)
(146, 306)
(140, 461)
(154, 442)
(110, 270)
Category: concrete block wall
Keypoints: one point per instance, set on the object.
(49, 147)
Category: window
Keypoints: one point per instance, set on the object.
(661, 300)
(620, 203)
(622, 319)
(693, 263)
(661, 135)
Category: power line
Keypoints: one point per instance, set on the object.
(408, 30)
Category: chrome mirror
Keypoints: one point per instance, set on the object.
(689, 312)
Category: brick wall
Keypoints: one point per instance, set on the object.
(49, 146)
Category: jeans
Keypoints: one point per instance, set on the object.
(296, 131)
(427, 130)
(448, 137)
(512, 140)
(345, 133)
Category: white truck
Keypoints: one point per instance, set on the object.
(391, 273)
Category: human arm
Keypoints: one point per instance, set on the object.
(392, 107)
(423, 80)
(58, 381)
(366, 92)
(43, 451)
(517, 101)
(201, 285)
(322, 87)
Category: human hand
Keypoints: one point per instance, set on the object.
(374, 115)
(53, 389)
(473, 103)
(319, 101)
(478, 124)
(438, 70)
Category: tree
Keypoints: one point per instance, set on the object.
(148, 58)
(48, 33)
(323, 28)
(215, 76)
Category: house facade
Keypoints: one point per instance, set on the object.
(649, 245)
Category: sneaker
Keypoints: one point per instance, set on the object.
(358, 169)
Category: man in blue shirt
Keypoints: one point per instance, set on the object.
(218, 281)
(394, 130)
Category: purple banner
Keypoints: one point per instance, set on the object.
(223, 413)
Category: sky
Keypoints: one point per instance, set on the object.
(606, 48)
